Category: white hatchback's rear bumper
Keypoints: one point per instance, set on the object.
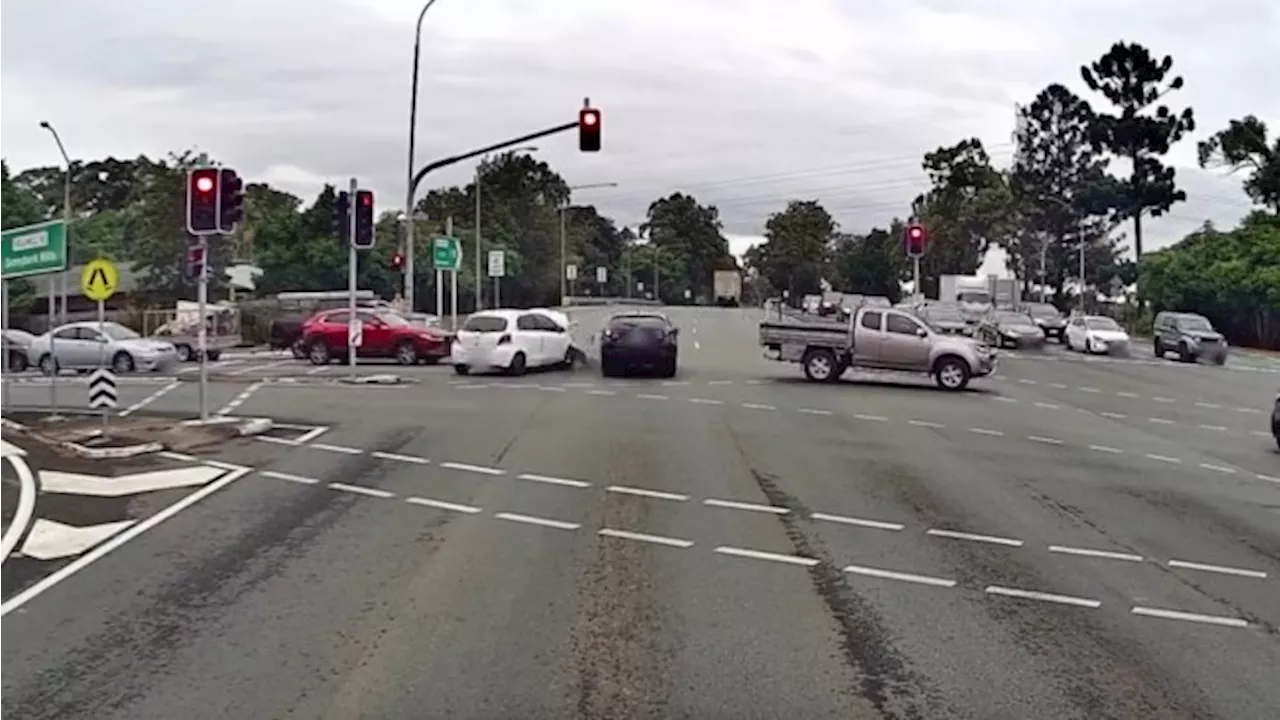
(481, 358)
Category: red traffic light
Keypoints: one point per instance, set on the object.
(916, 240)
(589, 130)
(204, 184)
(397, 260)
(202, 201)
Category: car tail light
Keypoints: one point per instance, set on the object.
(504, 340)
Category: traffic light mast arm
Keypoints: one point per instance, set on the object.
(446, 162)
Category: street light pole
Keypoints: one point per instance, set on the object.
(408, 193)
(66, 219)
(563, 242)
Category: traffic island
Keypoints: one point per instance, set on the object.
(83, 435)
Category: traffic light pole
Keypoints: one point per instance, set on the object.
(916, 282)
(351, 282)
(202, 335)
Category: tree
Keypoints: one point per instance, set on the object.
(798, 245)
(968, 207)
(1243, 146)
(1141, 131)
(691, 233)
(1056, 173)
(871, 264)
(20, 207)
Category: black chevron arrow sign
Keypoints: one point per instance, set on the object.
(102, 389)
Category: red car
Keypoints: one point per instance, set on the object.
(385, 335)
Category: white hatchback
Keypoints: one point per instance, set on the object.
(511, 341)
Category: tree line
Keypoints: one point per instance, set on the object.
(133, 211)
(1080, 175)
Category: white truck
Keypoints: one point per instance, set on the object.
(728, 288)
(181, 326)
(971, 293)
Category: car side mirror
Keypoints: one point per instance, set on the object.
(921, 332)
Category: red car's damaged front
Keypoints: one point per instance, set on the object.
(384, 334)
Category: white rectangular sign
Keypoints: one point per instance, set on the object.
(355, 333)
(602, 275)
(497, 264)
(571, 272)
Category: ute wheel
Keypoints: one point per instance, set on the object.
(517, 367)
(951, 373)
(820, 366)
(318, 353)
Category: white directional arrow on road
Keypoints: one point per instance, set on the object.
(80, 484)
(49, 540)
(7, 448)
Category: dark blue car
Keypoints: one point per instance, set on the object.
(639, 341)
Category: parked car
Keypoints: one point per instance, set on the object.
(17, 344)
(1190, 335)
(1049, 319)
(1096, 334)
(385, 334)
(1010, 328)
(633, 341)
(87, 345)
(512, 341)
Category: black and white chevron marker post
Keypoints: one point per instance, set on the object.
(102, 392)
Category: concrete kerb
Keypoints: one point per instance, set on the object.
(244, 427)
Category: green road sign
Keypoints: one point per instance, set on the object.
(446, 253)
(34, 249)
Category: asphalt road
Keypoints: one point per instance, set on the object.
(1074, 538)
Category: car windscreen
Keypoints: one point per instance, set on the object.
(1101, 323)
(392, 319)
(485, 324)
(972, 296)
(1012, 318)
(1043, 311)
(940, 314)
(634, 321)
(1193, 322)
(119, 332)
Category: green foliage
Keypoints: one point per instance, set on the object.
(1243, 146)
(1233, 278)
(968, 207)
(20, 207)
(872, 264)
(798, 246)
(689, 235)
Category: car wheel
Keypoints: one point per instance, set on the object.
(406, 354)
(185, 354)
(1184, 353)
(122, 363)
(318, 353)
(669, 368)
(1159, 348)
(951, 374)
(299, 350)
(17, 362)
(517, 367)
(820, 366)
(461, 369)
(47, 365)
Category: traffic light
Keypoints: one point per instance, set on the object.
(202, 201)
(195, 262)
(231, 197)
(364, 219)
(397, 260)
(342, 218)
(589, 130)
(915, 239)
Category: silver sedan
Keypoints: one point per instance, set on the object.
(86, 345)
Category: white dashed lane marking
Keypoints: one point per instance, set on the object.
(1046, 597)
(480, 469)
(337, 448)
(1086, 552)
(751, 507)
(397, 457)
(1189, 617)
(541, 521)
(642, 537)
(894, 575)
(551, 480)
(956, 535)
(290, 477)
(859, 522)
(442, 505)
(360, 490)
(760, 555)
(758, 406)
(1221, 569)
(642, 492)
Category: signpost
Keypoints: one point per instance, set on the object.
(497, 271)
(446, 255)
(32, 250)
(570, 274)
(602, 275)
(355, 332)
(99, 280)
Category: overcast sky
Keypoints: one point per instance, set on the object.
(744, 103)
